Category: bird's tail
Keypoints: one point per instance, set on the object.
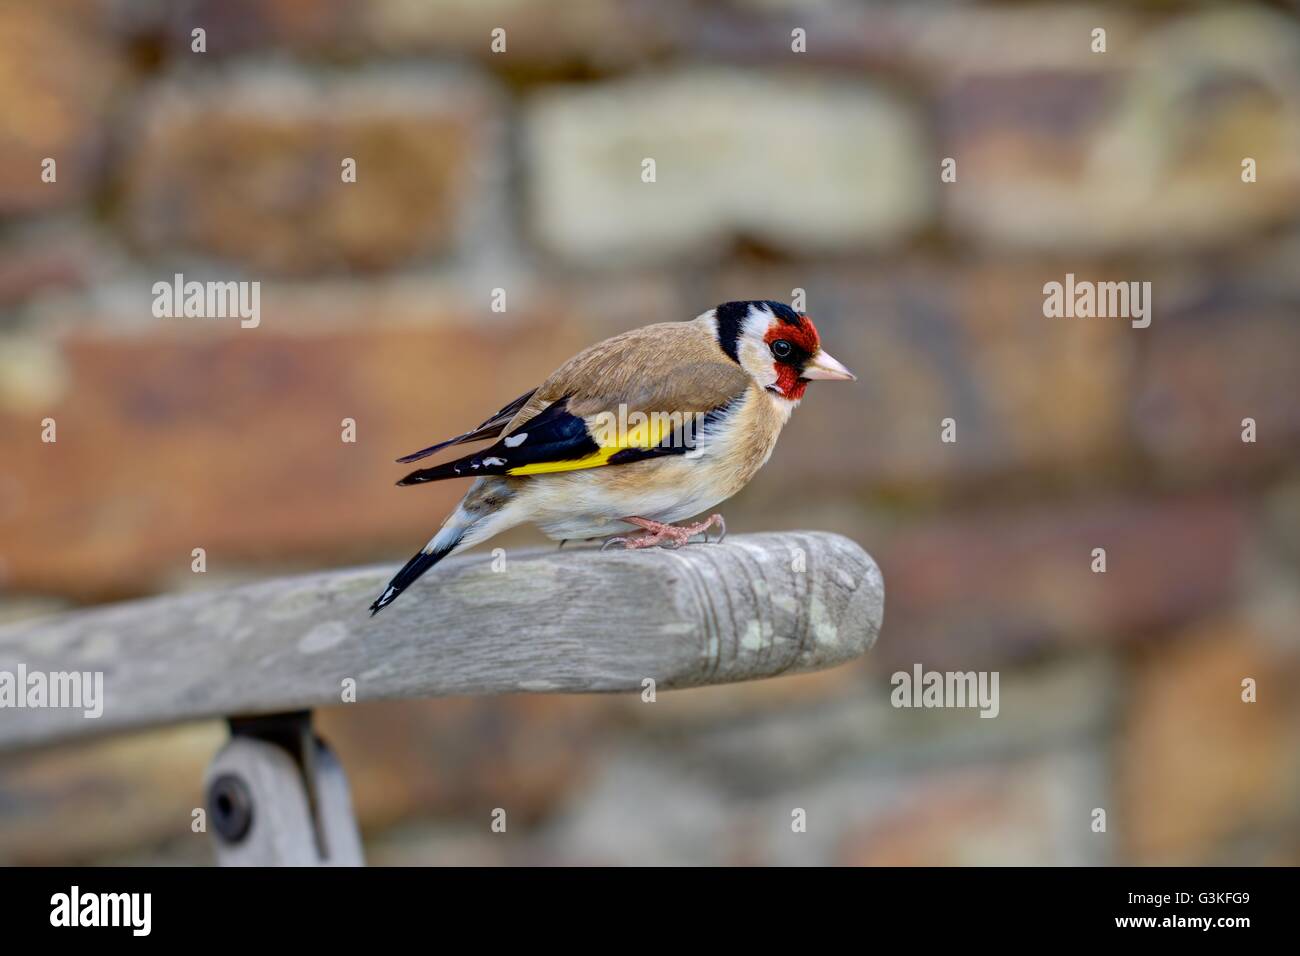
(403, 579)
(477, 517)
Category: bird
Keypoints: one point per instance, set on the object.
(647, 428)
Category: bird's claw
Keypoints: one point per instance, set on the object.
(671, 537)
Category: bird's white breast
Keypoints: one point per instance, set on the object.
(591, 502)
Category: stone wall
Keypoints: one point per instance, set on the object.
(775, 171)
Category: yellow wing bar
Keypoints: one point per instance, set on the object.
(645, 434)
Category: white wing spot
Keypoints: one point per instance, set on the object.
(514, 441)
(494, 461)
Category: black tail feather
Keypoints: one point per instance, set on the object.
(460, 468)
(426, 452)
(491, 428)
(404, 578)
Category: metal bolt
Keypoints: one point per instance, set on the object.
(231, 804)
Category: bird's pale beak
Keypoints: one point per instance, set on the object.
(824, 365)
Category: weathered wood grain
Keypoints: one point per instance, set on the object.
(543, 621)
(282, 831)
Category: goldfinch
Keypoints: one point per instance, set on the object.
(641, 430)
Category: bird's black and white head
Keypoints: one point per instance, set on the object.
(776, 345)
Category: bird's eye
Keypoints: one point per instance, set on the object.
(782, 349)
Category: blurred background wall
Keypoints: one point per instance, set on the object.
(775, 171)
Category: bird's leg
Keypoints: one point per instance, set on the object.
(657, 532)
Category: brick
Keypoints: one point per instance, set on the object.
(760, 736)
(1204, 778)
(937, 42)
(443, 843)
(710, 777)
(602, 34)
(1007, 584)
(237, 27)
(804, 168)
(56, 92)
(1135, 149)
(1030, 812)
(650, 809)
(81, 802)
(1280, 525)
(244, 167)
(36, 262)
(182, 435)
(458, 759)
(1232, 353)
(129, 798)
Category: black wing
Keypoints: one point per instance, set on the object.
(552, 435)
(489, 429)
(556, 440)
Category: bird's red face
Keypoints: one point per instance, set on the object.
(776, 345)
(797, 355)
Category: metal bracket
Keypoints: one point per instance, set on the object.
(277, 796)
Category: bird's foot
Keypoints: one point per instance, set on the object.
(656, 532)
